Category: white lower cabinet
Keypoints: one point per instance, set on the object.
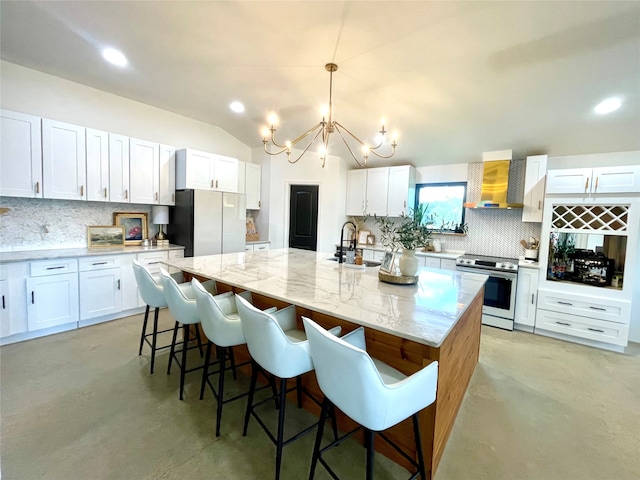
(255, 247)
(100, 286)
(526, 296)
(590, 318)
(129, 286)
(431, 262)
(14, 298)
(52, 294)
(448, 263)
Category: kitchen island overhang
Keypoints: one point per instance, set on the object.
(407, 326)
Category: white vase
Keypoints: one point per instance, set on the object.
(408, 263)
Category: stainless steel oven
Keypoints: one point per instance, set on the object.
(499, 305)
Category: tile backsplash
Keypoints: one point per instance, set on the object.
(33, 224)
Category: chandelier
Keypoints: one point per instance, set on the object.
(326, 127)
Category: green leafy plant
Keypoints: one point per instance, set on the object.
(409, 232)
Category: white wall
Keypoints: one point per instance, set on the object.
(442, 173)
(594, 160)
(277, 177)
(30, 91)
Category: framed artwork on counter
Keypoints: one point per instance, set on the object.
(363, 235)
(387, 264)
(105, 236)
(134, 224)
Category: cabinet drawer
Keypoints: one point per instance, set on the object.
(378, 255)
(153, 261)
(591, 307)
(448, 264)
(248, 248)
(431, 262)
(176, 253)
(98, 263)
(261, 246)
(53, 267)
(592, 329)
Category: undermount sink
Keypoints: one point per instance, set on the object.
(366, 263)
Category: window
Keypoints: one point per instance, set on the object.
(445, 203)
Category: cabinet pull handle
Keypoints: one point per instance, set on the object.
(3, 305)
(105, 192)
(564, 323)
(586, 185)
(55, 268)
(404, 204)
(99, 263)
(216, 184)
(33, 298)
(156, 196)
(566, 303)
(594, 190)
(259, 203)
(152, 263)
(212, 183)
(532, 297)
(37, 187)
(173, 197)
(82, 190)
(595, 330)
(539, 205)
(126, 194)
(600, 309)
(118, 284)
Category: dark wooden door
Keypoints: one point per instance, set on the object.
(303, 217)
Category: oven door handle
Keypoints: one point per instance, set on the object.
(490, 273)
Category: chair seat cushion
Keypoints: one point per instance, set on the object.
(389, 374)
(296, 335)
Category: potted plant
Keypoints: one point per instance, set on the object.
(408, 233)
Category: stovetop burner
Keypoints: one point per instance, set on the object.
(490, 263)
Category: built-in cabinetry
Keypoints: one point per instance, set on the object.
(100, 286)
(435, 262)
(52, 294)
(526, 299)
(253, 179)
(42, 297)
(206, 171)
(64, 168)
(20, 155)
(43, 158)
(256, 247)
(384, 191)
(534, 181)
(588, 287)
(591, 181)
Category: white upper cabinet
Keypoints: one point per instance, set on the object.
(402, 190)
(167, 175)
(242, 178)
(367, 191)
(118, 168)
(589, 181)
(20, 155)
(534, 188)
(97, 165)
(252, 185)
(144, 171)
(63, 160)
(206, 171)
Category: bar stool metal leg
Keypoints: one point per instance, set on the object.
(154, 338)
(172, 350)
(144, 329)
(183, 366)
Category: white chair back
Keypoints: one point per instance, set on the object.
(369, 392)
(180, 299)
(219, 316)
(150, 287)
(273, 340)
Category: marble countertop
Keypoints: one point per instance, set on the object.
(52, 253)
(424, 313)
(522, 263)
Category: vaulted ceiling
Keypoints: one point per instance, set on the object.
(453, 78)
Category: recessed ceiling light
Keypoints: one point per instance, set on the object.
(237, 107)
(607, 106)
(116, 57)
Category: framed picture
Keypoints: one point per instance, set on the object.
(109, 236)
(371, 239)
(135, 226)
(362, 237)
(387, 262)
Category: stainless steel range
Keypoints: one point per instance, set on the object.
(499, 291)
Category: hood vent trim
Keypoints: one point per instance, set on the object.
(495, 182)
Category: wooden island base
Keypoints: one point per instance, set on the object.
(457, 357)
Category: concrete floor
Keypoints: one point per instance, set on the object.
(81, 405)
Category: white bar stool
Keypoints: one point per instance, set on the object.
(182, 305)
(370, 392)
(277, 346)
(221, 324)
(152, 293)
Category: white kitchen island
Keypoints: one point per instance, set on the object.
(407, 326)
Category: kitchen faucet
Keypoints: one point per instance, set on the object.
(355, 229)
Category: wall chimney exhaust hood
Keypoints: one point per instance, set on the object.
(495, 181)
